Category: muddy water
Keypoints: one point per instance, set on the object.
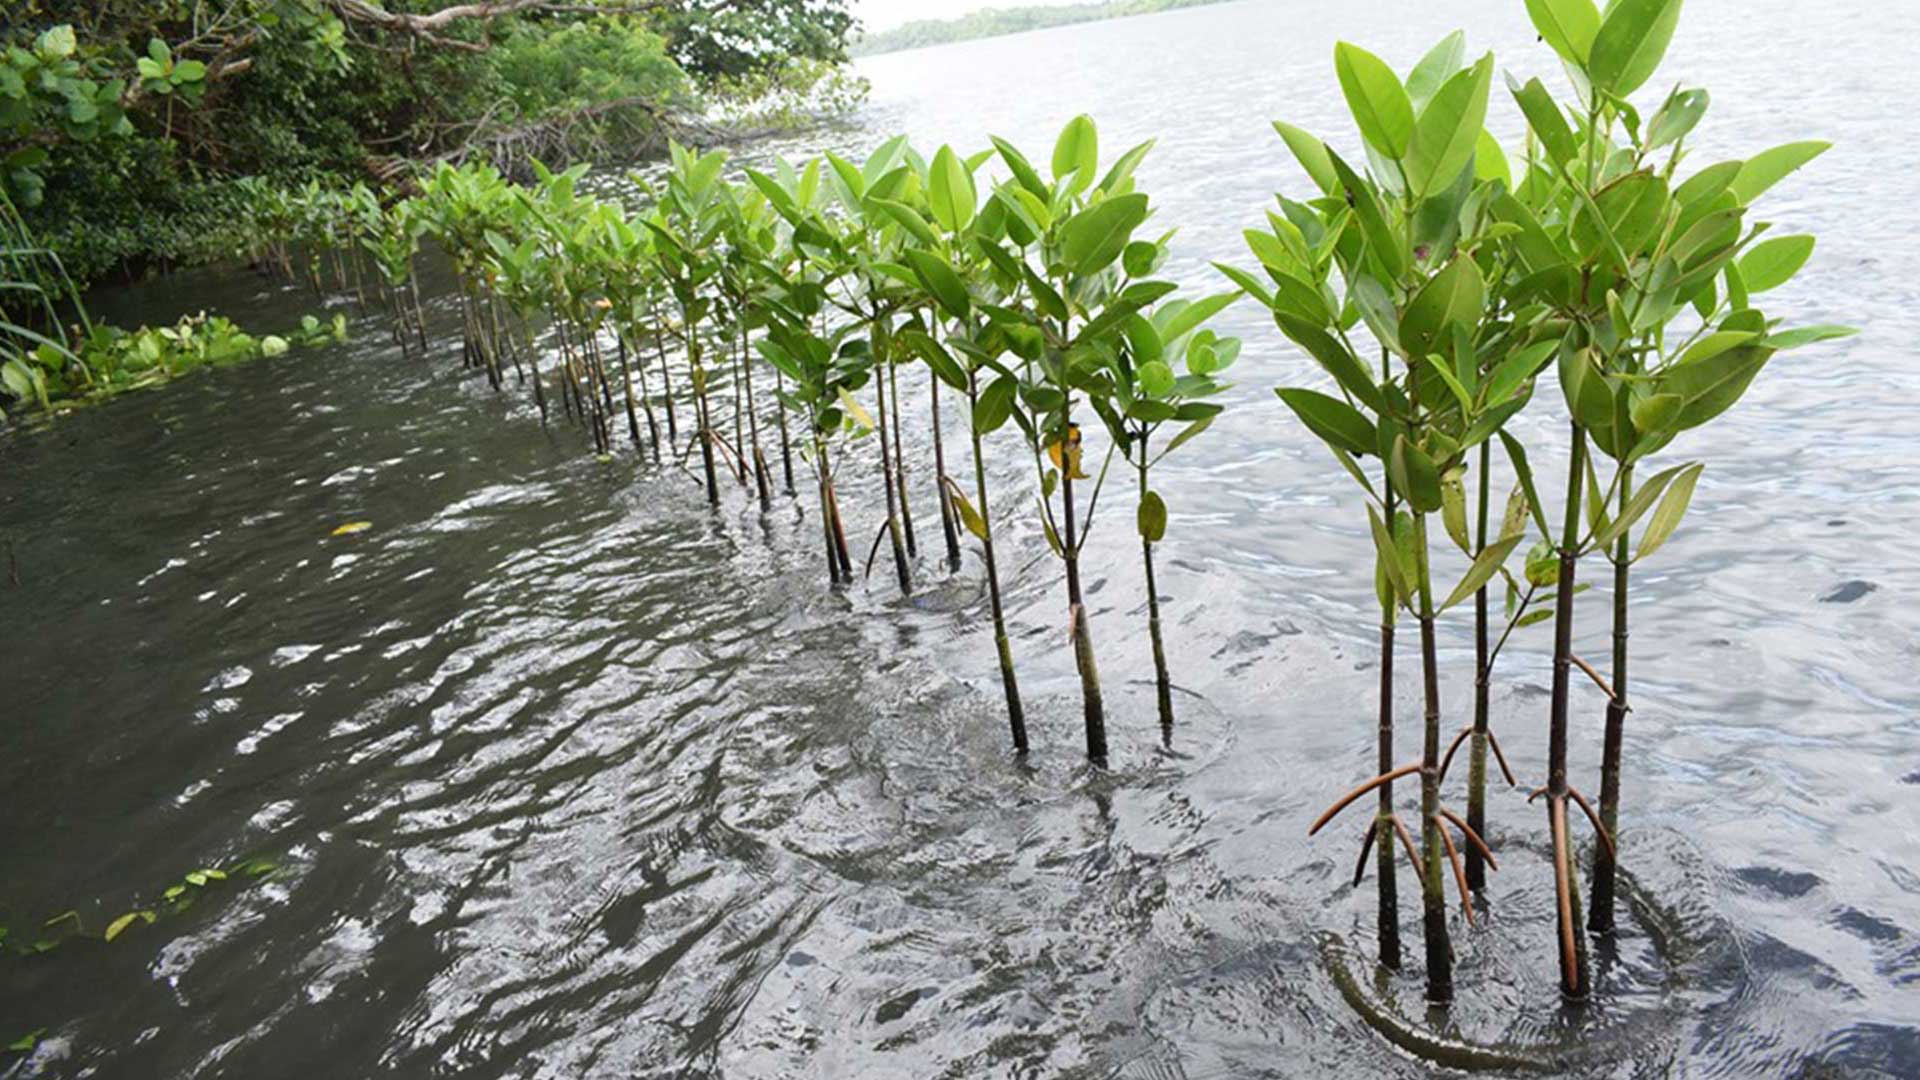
(568, 776)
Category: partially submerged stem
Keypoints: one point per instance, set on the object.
(1016, 716)
(1092, 707)
(1573, 973)
(1482, 694)
(1600, 916)
(1439, 948)
(886, 460)
(1163, 685)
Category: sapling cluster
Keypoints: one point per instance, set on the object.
(1601, 259)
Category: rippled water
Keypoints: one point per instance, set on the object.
(571, 777)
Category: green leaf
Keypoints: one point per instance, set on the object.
(57, 43)
(1655, 413)
(1517, 455)
(1022, 170)
(1710, 387)
(1373, 223)
(1633, 38)
(1311, 153)
(1415, 476)
(1769, 167)
(118, 925)
(1077, 153)
(1379, 103)
(1547, 121)
(1193, 315)
(1117, 177)
(1440, 63)
(1568, 26)
(942, 281)
(995, 405)
(1771, 263)
(1607, 533)
(1449, 128)
(1807, 335)
(909, 219)
(189, 71)
(1388, 555)
(950, 190)
(1673, 507)
(1453, 297)
(1337, 423)
(1490, 161)
(1152, 517)
(1332, 355)
(1484, 567)
(1095, 236)
(1155, 379)
(1676, 118)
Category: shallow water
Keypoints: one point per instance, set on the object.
(570, 777)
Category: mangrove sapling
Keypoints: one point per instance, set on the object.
(749, 234)
(979, 345)
(857, 253)
(1410, 244)
(1617, 255)
(685, 228)
(823, 373)
(1146, 394)
(1065, 324)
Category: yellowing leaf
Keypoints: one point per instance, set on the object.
(853, 408)
(352, 527)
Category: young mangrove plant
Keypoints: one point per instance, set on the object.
(1065, 323)
(686, 230)
(943, 268)
(1653, 280)
(1144, 395)
(1414, 244)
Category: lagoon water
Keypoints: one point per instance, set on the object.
(570, 777)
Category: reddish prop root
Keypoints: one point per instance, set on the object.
(1472, 838)
(1366, 846)
(1459, 872)
(1345, 800)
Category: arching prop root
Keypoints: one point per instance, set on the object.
(1440, 822)
(1492, 741)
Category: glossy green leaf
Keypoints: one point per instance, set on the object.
(1637, 506)
(1094, 237)
(1311, 153)
(1633, 38)
(1337, 423)
(1549, 124)
(1379, 103)
(941, 281)
(1673, 507)
(1567, 26)
(1485, 565)
(1448, 129)
(1771, 263)
(950, 190)
(1769, 167)
(1076, 154)
(1453, 297)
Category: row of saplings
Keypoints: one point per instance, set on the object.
(1433, 287)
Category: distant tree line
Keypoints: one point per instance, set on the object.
(992, 22)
